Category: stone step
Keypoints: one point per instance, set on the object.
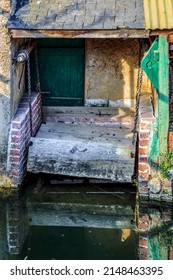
(81, 159)
(83, 150)
(113, 116)
(86, 132)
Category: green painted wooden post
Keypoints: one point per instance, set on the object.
(156, 66)
(163, 95)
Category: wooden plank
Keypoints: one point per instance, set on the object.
(158, 32)
(170, 141)
(81, 159)
(171, 253)
(170, 38)
(118, 33)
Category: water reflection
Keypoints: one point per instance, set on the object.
(14, 226)
(155, 231)
(84, 222)
(3, 242)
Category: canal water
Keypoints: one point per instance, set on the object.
(78, 220)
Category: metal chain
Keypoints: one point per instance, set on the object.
(138, 95)
(29, 94)
(38, 85)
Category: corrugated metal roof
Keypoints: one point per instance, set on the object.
(158, 14)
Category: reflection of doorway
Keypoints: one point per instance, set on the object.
(61, 67)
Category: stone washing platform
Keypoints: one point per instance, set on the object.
(85, 145)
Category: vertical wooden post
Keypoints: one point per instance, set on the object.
(163, 96)
(156, 66)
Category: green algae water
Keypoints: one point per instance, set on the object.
(84, 222)
(79, 243)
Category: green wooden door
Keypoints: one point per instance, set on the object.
(61, 67)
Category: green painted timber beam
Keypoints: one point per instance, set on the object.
(163, 95)
(156, 66)
(153, 144)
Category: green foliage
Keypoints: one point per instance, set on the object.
(166, 236)
(166, 164)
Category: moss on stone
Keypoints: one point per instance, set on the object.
(6, 186)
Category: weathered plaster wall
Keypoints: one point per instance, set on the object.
(4, 82)
(111, 69)
(10, 90)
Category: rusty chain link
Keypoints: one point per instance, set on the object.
(29, 94)
(138, 95)
(38, 87)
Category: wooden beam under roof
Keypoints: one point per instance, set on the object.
(100, 34)
(158, 32)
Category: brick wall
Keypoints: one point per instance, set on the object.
(154, 231)
(17, 224)
(20, 136)
(143, 228)
(151, 183)
(146, 119)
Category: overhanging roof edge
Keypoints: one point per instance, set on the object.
(42, 33)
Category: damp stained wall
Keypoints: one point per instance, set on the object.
(112, 68)
(10, 93)
(4, 82)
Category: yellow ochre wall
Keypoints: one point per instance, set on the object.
(112, 68)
